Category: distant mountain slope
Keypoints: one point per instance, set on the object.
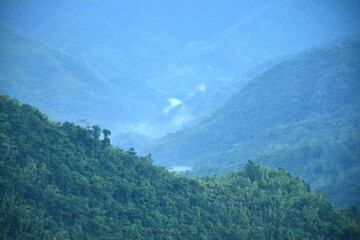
(40, 75)
(59, 181)
(302, 114)
(208, 99)
(54, 81)
(176, 46)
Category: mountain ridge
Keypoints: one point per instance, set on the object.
(60, 180)
(172, 48)
(311, 93)
(44, 76)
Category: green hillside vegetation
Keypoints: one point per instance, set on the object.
(60, 181)
(302, 114)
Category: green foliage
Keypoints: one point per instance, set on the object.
(57, 181)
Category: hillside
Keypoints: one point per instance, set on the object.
(176, 47)
(171, 45)
(46, 77)
(208, 99)
(60, 181)
(301, 114)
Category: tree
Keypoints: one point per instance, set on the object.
(253, 171)
(106, 140)
(96, 131)
(131, 151)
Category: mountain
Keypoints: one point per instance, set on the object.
(179, 47)
(207, 99)
(171, 45)
(60, 181)
(302, 114)
(41, 75)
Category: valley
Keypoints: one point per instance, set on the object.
(155, 119)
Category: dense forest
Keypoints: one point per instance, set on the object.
(64, 181)
(162, 120)
(301, 114)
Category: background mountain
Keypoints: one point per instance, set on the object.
(59, 181)
(178, 48)
(301, 114)
(44, 76)
(54, 81)
(148, 67)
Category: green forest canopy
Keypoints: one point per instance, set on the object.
(60, 181)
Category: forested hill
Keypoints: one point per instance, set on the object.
(302, 114)
(60, 181)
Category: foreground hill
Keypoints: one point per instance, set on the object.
(302, 114)
(58, 180)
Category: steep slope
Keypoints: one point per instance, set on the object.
(59, 181)
(54, 81)
(208, 99)
(43, 76)
(172, 45)
(176, 47)
(302, 114)
(130, 38)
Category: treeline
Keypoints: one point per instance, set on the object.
(62, 181)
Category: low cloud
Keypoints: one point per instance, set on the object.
(201, 88)
(173, 102)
